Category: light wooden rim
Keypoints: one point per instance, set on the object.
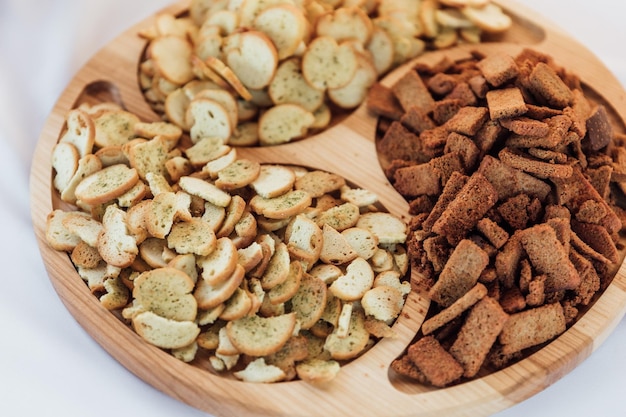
(363, 386)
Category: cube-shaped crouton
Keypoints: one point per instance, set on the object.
(498, 68)
(505, 103)
(410, 91)
(460, 273)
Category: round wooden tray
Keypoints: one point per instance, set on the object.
(365, 386)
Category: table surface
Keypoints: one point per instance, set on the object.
(48, 363)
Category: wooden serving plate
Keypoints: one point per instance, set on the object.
(365, 386)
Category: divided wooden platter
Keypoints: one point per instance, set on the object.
(365, 386)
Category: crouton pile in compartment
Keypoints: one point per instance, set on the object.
(514, 179)
(264, 272)
(285, 70)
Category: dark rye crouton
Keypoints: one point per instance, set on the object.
(441, 83)
(410, 91)
(399, 143)
(465, 147)
(548, 256)
(451, 312)
(469, 206)
(415, 180)
(381, 101)
(531, 327)
(478, 334)
(495, 234)
(444, 110)
(464, 93)
(546, 84)
(450, 190)
(467, 120)
(599, 129)
(416, 120)
(437, 365)
(598, 238)
(460, 273)
(505, 103)
(498, 68)
(509, 181)
(526, 127)
(525, 162)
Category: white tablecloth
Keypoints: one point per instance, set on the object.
(48, 364)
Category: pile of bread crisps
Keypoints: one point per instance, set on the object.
(274, 71)
(273, 271)
(516, 182)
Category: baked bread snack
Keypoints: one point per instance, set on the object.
(514, 184)
(203, 252)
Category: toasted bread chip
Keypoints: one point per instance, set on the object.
(309, 302)
(489, 17)
(210, 296)
(353, 343)
(285, 25)
(163, 332)
(358, 278)
(345, 23)
(87, 165)
(290, 86)
(284, 206)
(260, 336)
(317, 371)
(65, 159)
(260, 372)
(278, 268)
(220, 264)
(116, 246)
(195, 236)
(239, 174)
(273, 180)
(205, 190)
(327, 64)
(383, 303)
(80, 132)
(172, 58)
(116, 127)
(386, 227)
(107, 184)
(167, 293)
(252, 57)
(208, 119)
(284, 123)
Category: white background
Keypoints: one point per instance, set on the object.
(48, 364)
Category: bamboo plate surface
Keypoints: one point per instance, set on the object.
(365, 386)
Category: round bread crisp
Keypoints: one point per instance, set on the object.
(260, 336)
(166, 292)
(80, 132)
(353, 94)
(208, 119)
(345, 23)
(106, 184)
(283, 206)
(172, 58)
(284, 123)
(357, 280)
(285, 25)
(65, 163)
(326, 64)
(165, 333)
(290, 86)
(273, 180)
(114, 128)
(252, 57)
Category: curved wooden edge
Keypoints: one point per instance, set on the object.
(350, 392)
